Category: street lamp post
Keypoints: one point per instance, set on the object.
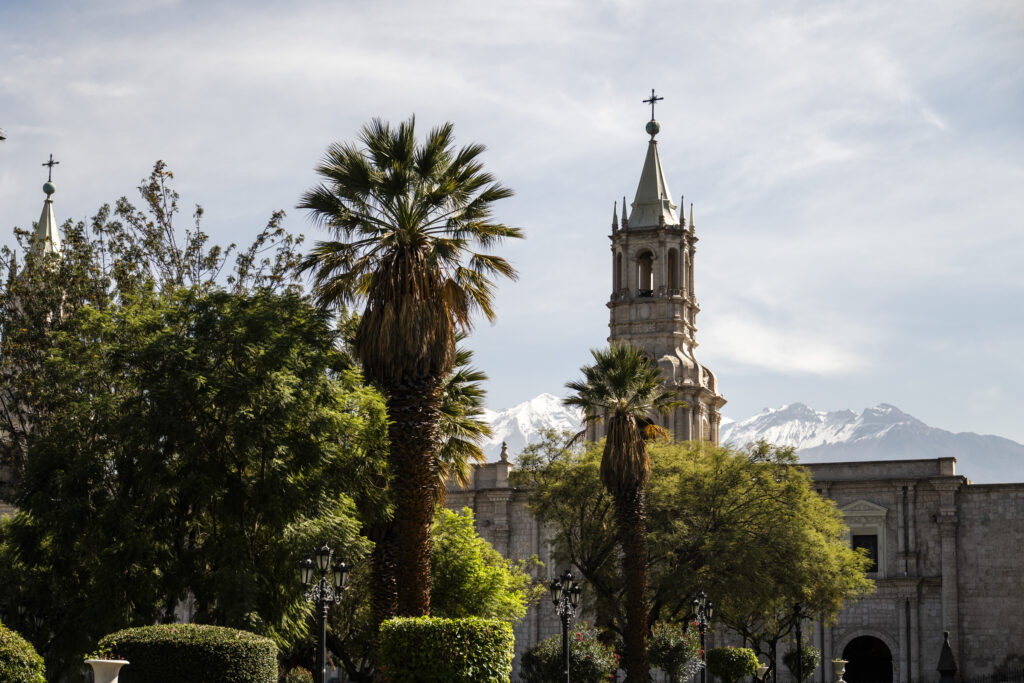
(323, 592)
(799, 616)
(703, 610)
(565, 594)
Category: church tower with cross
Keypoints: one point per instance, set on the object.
(653, 304)
(47, 237)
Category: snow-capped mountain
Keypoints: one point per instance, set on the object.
(880, 433)
(522, 424)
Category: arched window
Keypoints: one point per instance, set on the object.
(645, 272)
(673, 269)
(618, 271)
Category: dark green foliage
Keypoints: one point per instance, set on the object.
(192, 653)
(436, 650)
(590, 660)
(19, 662)
(811, 656)
(674, 649)
(198, 436)
(730, 664)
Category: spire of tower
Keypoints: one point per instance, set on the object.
(625, 218)
(653, 201)
(615, 216)
(47, 237)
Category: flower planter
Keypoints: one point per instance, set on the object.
(839, 667)
(105, 670)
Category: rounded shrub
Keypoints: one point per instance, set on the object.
(675, 649)
(19, 661)
(432, 650)
(193, 653)
(298, 675)
(590, 660)
(811, 656)
(730, 664)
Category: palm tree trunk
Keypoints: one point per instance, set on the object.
(383, 587)
(630, 515)
(414, 410)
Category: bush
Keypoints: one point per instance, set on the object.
(193, 653)
(811, 656)
(731, 663)
(19, 661)
(675, 650)
(298, 675)
(434, 650)
(590, 660)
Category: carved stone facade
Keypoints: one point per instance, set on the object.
(949, 559)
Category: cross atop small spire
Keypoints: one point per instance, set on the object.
(51, 163)
(651, 102)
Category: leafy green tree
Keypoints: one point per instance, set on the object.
(183, 440)
(471, 579)
(407, 218)
(746, 527)
(622, 389)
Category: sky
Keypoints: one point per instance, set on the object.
(856, 169)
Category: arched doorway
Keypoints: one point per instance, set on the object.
(869, 661)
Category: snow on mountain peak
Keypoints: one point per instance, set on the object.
(882, 432)
(522, 423)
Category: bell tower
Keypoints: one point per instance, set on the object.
(653, 304)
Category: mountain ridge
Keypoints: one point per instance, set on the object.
(880, 432)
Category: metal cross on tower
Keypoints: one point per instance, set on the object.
(651, 101)
(51, 163)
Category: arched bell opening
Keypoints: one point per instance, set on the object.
(673, 270)
(645, 274)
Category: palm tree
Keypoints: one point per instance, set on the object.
(462, 426)
(623, 389)
(407, 219)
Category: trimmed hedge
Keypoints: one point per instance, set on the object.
(732, 663)
(434, 650)
(193, 653)
(19, 661)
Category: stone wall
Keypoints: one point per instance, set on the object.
(950, 554)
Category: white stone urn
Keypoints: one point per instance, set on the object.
(106, 670)
(839, 666)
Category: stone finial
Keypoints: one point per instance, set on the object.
(691, 216)
(625, 220)
(615, 216)
(947, 664)
(504, 451)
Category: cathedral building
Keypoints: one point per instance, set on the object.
(945, 551)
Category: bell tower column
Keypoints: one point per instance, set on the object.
(653, 304)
